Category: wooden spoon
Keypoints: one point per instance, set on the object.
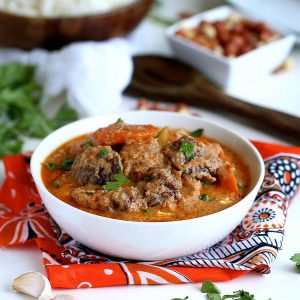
(162, 78)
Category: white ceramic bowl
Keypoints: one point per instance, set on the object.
(147, 240)
(229, 72)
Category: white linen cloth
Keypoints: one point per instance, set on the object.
(92, 74)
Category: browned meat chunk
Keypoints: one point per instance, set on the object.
(139, 157)
(162, 188)
(195, 159)
(128, 198)
(96, 165)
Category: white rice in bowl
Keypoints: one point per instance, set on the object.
(60, 8)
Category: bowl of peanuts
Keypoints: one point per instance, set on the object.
(229, 48)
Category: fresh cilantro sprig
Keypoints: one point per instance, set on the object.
(204, 197)
(185, 298)
(10, 142)
(197, 132)
(296, 258)
(120, 180)
(103, 153)
(213, 293)
(187, 149)
(66, 164)
(20, 114)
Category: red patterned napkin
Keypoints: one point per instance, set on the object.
(253, 245)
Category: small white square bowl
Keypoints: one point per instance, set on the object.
(229, 72)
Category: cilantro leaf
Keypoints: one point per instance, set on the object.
(212, 296)
(103, 153)
(88, 143)
(120, 180)
(66, 164)
(185, 298)
(239, 295)
(209, 287)
(14, 74)
(214, 293)
(10, 143)
(20, 113)
(63, 116)
(187, 149)
(197, 132)
(296, 258)
(204, 197)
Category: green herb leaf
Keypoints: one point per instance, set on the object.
(204, 197)
(55, 184)
(88, 143)
(103, 153)
(187, 149)
(197, 132)
(212, 296)
(66, 164)
(185, 298)
(296, 258)
(120, 180)
(20, 95)
(10, 143)
(14, 74)
(239, 295)
(63, 116)
(209, 287)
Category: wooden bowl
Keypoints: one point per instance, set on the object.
(53, 33)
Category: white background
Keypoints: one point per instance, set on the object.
(281, 91)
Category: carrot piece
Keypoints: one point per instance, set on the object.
(202, 139)
(226, 176)
(119, 133)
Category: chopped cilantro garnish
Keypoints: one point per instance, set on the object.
(197, 132)
(55, 184)
(103, 153)
(209, 287)
(187, 149)
(204, 197)
(120, 180)
(66, 164)
(119, 120)
(88, 143)
(214, 293)
(185, 298)
(296, 258)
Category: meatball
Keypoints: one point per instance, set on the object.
(96, 165)
(162, 188)
(194, 158)
(126, 199)
(139, 157)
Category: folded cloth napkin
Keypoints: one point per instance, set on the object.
(93, 74)
(252, 246)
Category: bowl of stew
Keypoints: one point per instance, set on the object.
(147, 185)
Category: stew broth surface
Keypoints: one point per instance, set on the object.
(219, 181)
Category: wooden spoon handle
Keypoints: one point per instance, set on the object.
(167, 79)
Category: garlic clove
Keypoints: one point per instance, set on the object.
(63, 297)
(33, 284)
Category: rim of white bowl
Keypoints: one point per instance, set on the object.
(35, 167)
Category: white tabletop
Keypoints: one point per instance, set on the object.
(280, 91)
